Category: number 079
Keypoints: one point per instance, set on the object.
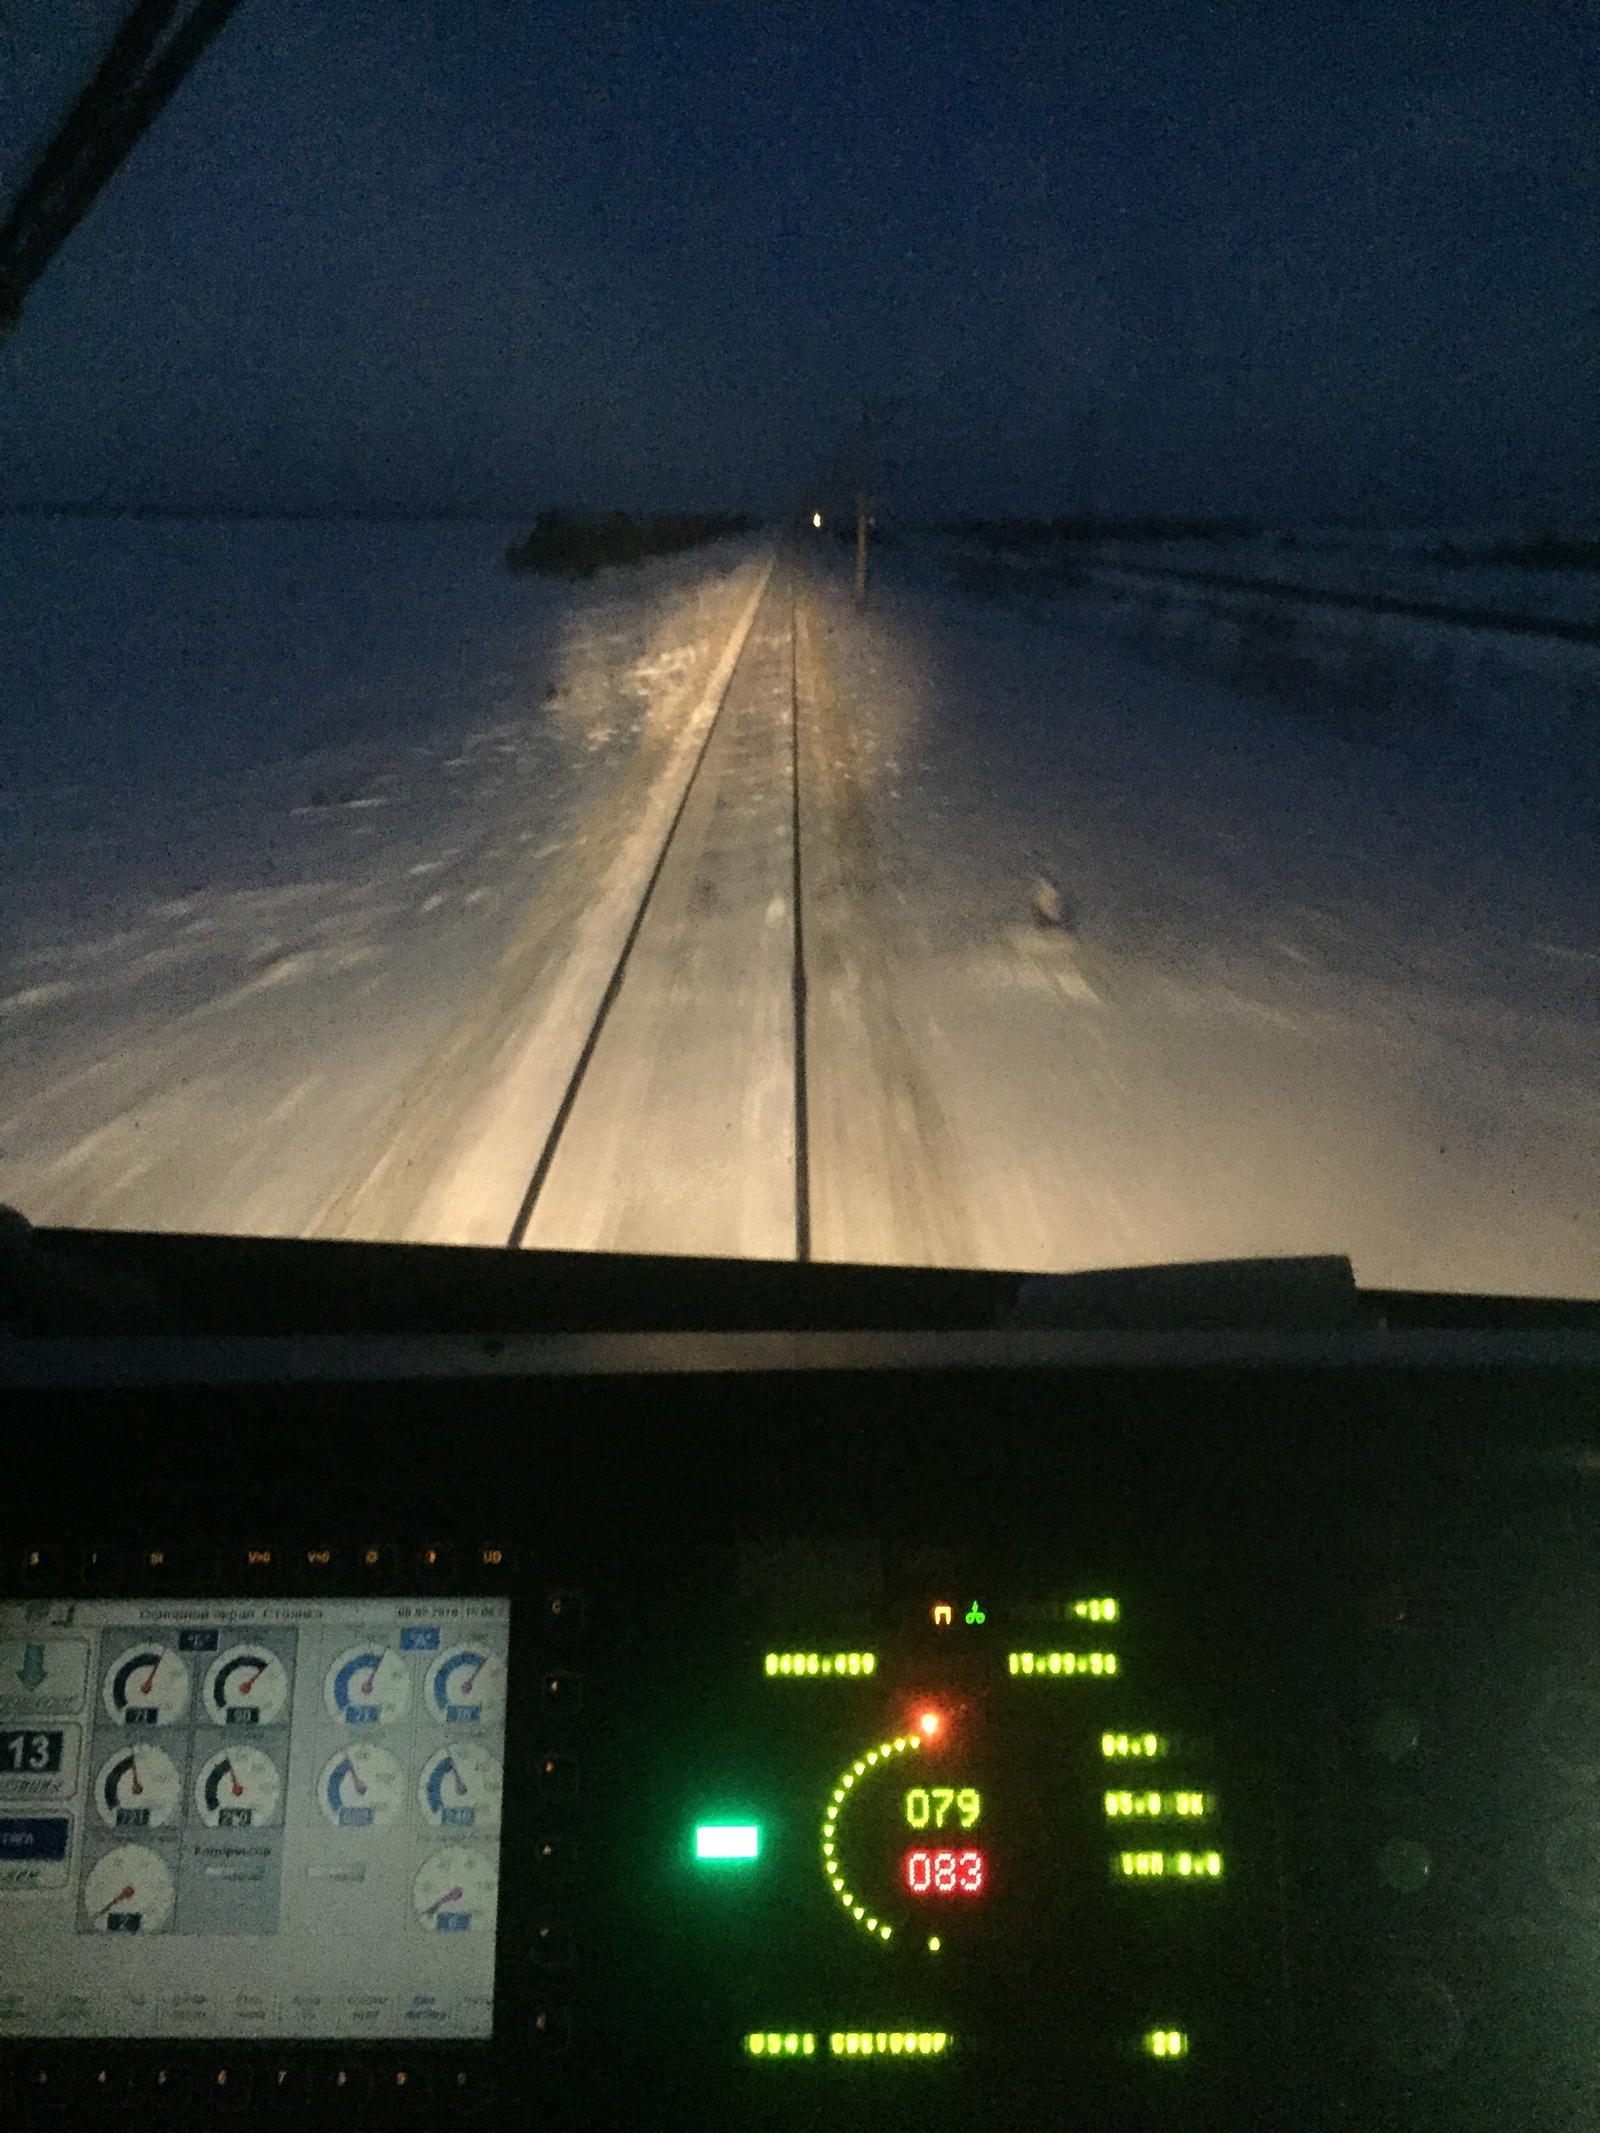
(934, 1804)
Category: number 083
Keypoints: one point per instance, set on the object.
(936, 1804)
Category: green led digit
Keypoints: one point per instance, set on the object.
(923, 1806)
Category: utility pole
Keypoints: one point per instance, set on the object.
(876, 415)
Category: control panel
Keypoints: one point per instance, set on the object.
(772, 1751)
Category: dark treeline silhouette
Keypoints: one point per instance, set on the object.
(575, 544)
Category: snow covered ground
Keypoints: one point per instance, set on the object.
(1445, 566)
(1318, 992)
(278, 797)
(275, 797)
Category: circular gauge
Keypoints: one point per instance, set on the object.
(368, 1686)
(147, 1686)
(361, 1787)
(237, 1789)
(454, 1891)
(137, 1788)
(247, 1686)
(128, 1891)
(460, 1788)
(467, 1686)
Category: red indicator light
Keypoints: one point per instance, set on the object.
(928, 1723)
(945, 1873)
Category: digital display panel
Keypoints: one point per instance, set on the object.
(236, 1817)
(979, 1822)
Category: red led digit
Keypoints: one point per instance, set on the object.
(944, 1873)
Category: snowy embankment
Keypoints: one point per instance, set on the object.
(1312, 989)
(274, 796)
(1525, 696)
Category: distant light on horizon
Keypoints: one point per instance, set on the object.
(816, 520)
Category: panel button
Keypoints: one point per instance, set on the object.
(283, 2086)
(553, 1858)
(347, 2084)
(558, 1777)
(562, 1690)
(553, 1946)
(435, 1559)
(166, 2084)
(406, 2087)
(106, 2082)
(318, 1563)
(376, 1561)
(229, 2088)
(552, 2029)
(258, 1560)
(45, 2084)
(493, 1559)
(564, 1612)
(466, 2088)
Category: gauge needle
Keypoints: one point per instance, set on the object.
(122, 1896)
(472, 1678)
(355, 1777)
(450, 1896)
(246, 1686)
(133, 1772)
(233, 1780)
(456, 1774)
(147, 1686)
(366, 1686)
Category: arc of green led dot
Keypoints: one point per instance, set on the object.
(830, 1829)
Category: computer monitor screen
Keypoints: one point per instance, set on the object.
(234, 1817)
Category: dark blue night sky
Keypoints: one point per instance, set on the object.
(1292, 259)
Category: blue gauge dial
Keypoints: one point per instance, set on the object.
(466, 1686)
(460, 1789)
(361, 1787)
(369, 1685)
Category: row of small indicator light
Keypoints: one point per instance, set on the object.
(910, 2043)
(812, 1666)
(857, 1665)
(848, 2043)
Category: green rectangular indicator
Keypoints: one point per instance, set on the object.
(1166, 2044)
(727, 1840)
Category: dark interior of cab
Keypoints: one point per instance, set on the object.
(442, 1685)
